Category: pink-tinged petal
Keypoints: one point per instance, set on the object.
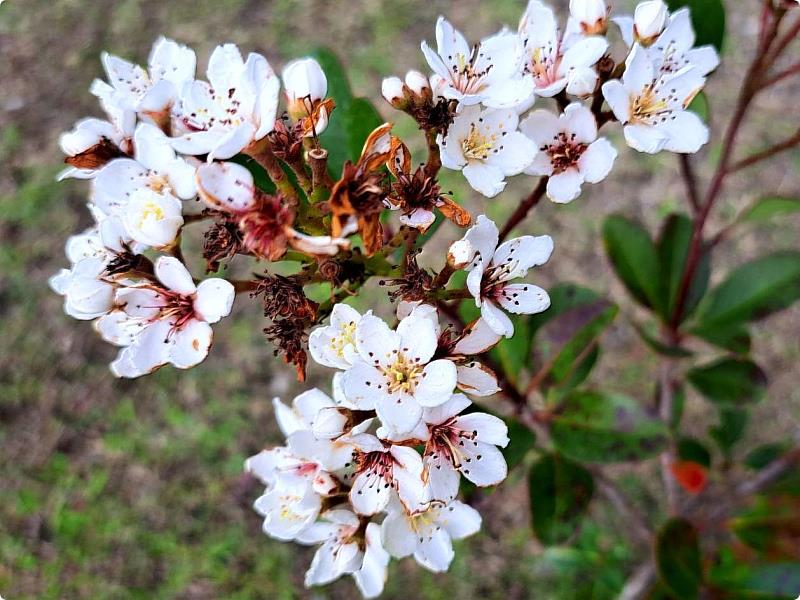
(190, 344)
(399, 412)
(644, 138)
(477, 379)
(541, 126)
(437, 383)
(524, 299)
(480, 338)
(214, 299)
(618, 99)
(490, 429)
(460, 520)
(171, 272)
(484, 178)
(581, 122)
(419, 218)
(564, 187)
(596, 161)
(375, 342)
(497, 319)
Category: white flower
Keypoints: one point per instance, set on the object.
(486, 146)
(335, 345)
(394, 373)
(674, 49)
(428, 534)
(486, 73)
(145, 192)
(652, 106)
(569, 150)
(339, 531)
(234, 109)
(552, 62)
(87, 288)
(393, 91)
(166, 323)
(383, 470)
(151, 93)
(587, 17)
(465, 444)
(293, 497)
(649, 19)
(491, 267)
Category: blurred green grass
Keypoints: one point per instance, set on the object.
(116, 489)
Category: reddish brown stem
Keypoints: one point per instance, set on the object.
(783, 146)
(781, 75)
(524, 208)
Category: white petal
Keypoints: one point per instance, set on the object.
(443, 478)
(480, 338)
(483, 464)
(437, 383)
(596, 161)
(644, 138)
(397, 535)
(371, 577)
(541, 126)
(618, 99)
(360, 384)
(524, 299)
(435, 551)
(514, 155)
(497, 319)
(214, 299)
(638, 70)
(233, 142)
(288, 419)
(564, 187)
(369, 494)
(460, 520)
(581, 122)
(399, 412)
(491, 429)
(436, 415)
(477, 379)
(226, 186)
(484, 178)
(171, 272)
(518, 255)
(418, 338)
(687, 132)
(189, 346)
(376, 343)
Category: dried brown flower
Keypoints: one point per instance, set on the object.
(284, 297)
(414, 284)
(290, 337)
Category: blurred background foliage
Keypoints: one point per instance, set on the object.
(120, 489)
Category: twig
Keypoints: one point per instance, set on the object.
(769, 474)
(781, 75)
(787, 144)
(690, 181)
(639, 583)
(633, 518)
(434, 162)
(525, 206)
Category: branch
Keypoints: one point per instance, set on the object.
(639, 582)
(524, 207)
(633, 518)
(666, 410)
(690, 181)
(787, 144)
(781, 75)
(769, 474)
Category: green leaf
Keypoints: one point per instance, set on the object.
(770, 527)
(753, 291)
(708, 20)
(606, 428)
(673, 249)
(734, 337)
(760, 456)
(522, 441)
(730, 381)
(732, 423)
(700, 106)
(360, 119)
(660, 347)
(678, 558)
(634, 258)
(693, 450)
(768, 208)
(560, 490)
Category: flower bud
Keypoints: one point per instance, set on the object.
(418, 84)
(591, 14)
(394, 93)
(460, 254)
(649, 20)
(305, 84)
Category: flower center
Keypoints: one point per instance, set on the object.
(448, 440)
(347, 336)
(476, 145)
(178, 309)
(543, 64)
(648, 106)
(564, 152)
(466, 78)
(158, 183)
(403, 375)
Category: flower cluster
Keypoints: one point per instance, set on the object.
(350, 476)
(491, 85)
(372, 471)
